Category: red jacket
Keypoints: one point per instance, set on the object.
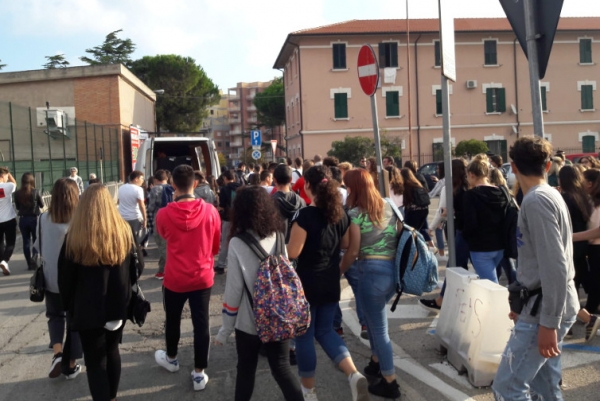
(299, 187)
(192, 231)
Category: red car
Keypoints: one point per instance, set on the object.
(575, 157)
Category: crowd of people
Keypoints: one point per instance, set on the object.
(334, 222)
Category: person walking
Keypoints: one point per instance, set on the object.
(28, 202)
(96, 270)
(226, 198)
(131, 204)
(78, 180)
(203, 190)
(287, 202)
(53, 226)
(531, 362)
(8, 219)
(373, 239)
(297, 172)
(298, 187)
(191, 228)
(416, 204)
(318, 234)
(155, 203)
(253, 213)
(396, 186)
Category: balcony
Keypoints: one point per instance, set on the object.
(251, 108)
(235, 144)
(234, 120)
(233, 156)
(252, 119)
(236, 132)
(251, 96)
(233, 108)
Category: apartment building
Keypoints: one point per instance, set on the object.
(243, 118)
(490, 100)
(216, 125)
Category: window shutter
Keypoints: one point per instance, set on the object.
(392, 104)
(342, 55)
(341, 105)
(489, 95)
(585, 51)
(501, 100)
(438, 102)
(394, 54)
(589, 144)
(339, 56)
(587, 97)
(438, 54)
(543, 93)
(503, 149)
(382, 57)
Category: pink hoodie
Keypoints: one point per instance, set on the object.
(193, 234)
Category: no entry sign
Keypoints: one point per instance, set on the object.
(368, 70)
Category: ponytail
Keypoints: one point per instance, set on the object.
(325, 190)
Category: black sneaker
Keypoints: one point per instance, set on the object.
(384, 389)
(73, 372)
(144, 252)
(372, 370)
(293, 361)
(430, 305)
(363, 332)
(340, 332)
(219, 270)
(592, 327)
(55, 368)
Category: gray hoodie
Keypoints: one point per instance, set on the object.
(544, 239)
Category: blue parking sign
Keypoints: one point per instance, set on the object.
(256, 137)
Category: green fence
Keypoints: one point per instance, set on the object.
(48, 143)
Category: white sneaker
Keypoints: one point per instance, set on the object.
(161, 359)
(5, 268)
(359, 386)
(74, 373)
(199, 380)
(441, 258)
(310, 394)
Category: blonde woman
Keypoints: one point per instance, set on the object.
(95, 275)
(557, 164)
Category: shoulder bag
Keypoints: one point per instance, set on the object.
(37, 284)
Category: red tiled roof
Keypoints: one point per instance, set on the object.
(432, 25)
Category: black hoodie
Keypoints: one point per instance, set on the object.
(226, 197)
(288, 204)
(483, 214)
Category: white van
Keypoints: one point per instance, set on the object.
(169, 152)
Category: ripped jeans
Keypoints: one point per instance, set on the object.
(525, 375)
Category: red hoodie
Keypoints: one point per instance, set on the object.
(193, 234)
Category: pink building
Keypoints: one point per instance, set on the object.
(490, 100)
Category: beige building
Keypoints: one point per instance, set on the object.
(490, 100)
(216, 125)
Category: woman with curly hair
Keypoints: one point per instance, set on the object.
(255, 213)
(318, 234)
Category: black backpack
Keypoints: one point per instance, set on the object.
(421, 197)
(509, 226)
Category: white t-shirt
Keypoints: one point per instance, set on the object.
(296, 174)
(344, 194)
(269, 189)
(7, 211)
(129, 194)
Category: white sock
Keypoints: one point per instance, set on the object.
(307, 390)
(199, 374)
(171, 359)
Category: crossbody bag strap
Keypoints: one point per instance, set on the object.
(40, 234)
(253, 244)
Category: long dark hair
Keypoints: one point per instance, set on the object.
(459, 175)
(571, 185)
(253, 209)
(396, 181)
(410, 184)
(24, 194)
(64, 201)
(325, 190)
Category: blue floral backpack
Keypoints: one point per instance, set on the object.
(281, 310)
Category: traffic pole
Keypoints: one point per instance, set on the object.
(534, 68)
(448, 172)
(377, 145)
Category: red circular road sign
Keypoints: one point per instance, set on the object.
(368, 70)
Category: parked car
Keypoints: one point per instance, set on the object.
(429, 171)
(575, 157)
(509, 175)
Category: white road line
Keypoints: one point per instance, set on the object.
(402, 360)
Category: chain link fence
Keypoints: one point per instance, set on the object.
(48, 143)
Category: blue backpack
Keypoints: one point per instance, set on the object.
(167, 195)
(416, 266)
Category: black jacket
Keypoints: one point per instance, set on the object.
(32, 206)
(288, 204)
(226, 199)
(484, 208)
(95, 295)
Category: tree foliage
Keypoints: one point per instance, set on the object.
(353, 148)
(188, 90)
(470, 147)
(57, 61)
(222, 159)
(270, 104)
(2, 65)
(114, 50)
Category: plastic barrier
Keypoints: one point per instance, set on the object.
(473, 327)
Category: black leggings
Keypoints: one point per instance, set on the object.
(593, 279)
(8, 232)
(102, 361)
(278, 355)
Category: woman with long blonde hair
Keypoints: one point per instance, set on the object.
(374, 231)
(96, 271)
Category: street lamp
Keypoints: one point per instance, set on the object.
(157, 127)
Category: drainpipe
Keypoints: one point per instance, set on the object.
(516, 87)
(417, 99)
(300, 90)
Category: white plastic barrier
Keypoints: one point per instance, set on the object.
(473, 327)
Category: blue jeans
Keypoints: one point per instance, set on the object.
(508, 265)
(321, 329)
(485, 264)
(462, 255)
(375, 288)
(352, 277)
(524, 371)
(439, 239)
(28, 228)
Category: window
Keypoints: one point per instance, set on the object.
(585, 51)
(438, 102)
(219, 144)
(495, 100)
(339, 56)
(588, 144)
(388, 55)
(543, 90)
(587, 97)
(491, 56)
(341, 105)
(438, 53)
(227, 144)
(392, 104)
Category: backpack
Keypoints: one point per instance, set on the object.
(167, 195)
(421, 197)
(416, 269)
(509, 226)
(281, 310)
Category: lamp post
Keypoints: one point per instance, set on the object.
(157, 125)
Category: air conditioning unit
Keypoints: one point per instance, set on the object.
(57, 122)
(471, 84)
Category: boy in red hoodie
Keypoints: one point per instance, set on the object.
(192, 230)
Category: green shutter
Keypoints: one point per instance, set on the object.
(393, 54)
(437, 54)
(503, 150)
(501, 100)
(587, 97)
(339, 56)
(589, 144)
(342, 55)
(490, 52)
(585, 51)
(489, 97)
(341, 105)
(392, 104)
(438, 102)
(543, 93)
(382, 55)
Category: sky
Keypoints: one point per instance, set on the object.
(233, 40)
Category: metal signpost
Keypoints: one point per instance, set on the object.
(448, 73)
(274, 147)
(368, 76)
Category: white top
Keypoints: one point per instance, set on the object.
(344, 194)
(129, 195)
(594, 223)
(296, 174)
(397, 199)
(438, 218)
(7, 211)
(269, 189)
